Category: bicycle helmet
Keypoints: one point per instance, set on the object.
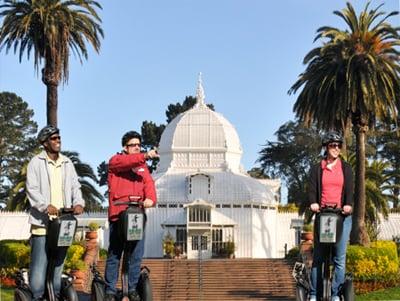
(332, 137)
(46, 132)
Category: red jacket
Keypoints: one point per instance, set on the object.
(128, 175)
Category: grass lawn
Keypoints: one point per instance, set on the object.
(6, 294)
(389, 294)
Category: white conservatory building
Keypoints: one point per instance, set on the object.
(205, 198)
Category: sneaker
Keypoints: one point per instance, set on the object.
(134, 296)
(313, 298)
(335, 298)
(109, 297)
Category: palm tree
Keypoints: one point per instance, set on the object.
(354, 74)
(93, 198)
(51, 28)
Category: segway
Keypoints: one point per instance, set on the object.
(60, 235)
(329, 226)
(131, 227)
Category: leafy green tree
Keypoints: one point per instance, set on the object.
(291, 157)
(17, 140)
(51, 29)
(93, 198)
(388, 148)
(174, 110)
(354, 74)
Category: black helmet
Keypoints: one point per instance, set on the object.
(332, 137)
(46, 132)
(130, 135)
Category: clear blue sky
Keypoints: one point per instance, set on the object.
(249, 51)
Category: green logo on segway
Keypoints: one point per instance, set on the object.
(135, 226)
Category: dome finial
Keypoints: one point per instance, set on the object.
(200, 96)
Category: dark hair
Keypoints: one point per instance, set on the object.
(130, 135)
(46, 132)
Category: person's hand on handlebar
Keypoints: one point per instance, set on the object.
(151, 154)
(347, 209)
(147, 203)
(51, 210)
(78, 209)
(314, 207)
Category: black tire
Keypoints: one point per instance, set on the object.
(144, 287)
(301, 293)
(68, 293)
(22, 294)
(348, 290)
(97, 290)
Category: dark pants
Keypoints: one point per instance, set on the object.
(115, 250)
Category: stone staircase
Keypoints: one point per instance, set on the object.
(221, 279)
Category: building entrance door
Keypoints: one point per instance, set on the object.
(199, 245)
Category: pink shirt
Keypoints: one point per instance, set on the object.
(332, 184)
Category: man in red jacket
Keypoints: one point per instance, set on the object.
(128, 177)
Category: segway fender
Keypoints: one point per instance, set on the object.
(68, 291)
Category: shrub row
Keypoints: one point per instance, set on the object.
(379, 262)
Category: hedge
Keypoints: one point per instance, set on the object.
(379, 262)
(14, 253)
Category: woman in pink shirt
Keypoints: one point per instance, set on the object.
(331, 184)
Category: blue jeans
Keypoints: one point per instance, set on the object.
(115, 250)
(38, 266)
(339, 261)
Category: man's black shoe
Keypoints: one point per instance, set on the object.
(134, 296)
(109, 297)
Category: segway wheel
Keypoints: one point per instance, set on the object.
(144, 286)
(301, 294)
(348, 290)
(22, 294)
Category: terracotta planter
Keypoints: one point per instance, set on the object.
(307, 236)
(79, 275)
(306, 246)
(91, 235)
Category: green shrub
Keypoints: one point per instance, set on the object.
(308, 227)
(103, 253)
(379, 262)
(74, 256)
(14, 254)
(93, 226)
(293, 253)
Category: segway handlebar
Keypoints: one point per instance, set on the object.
(133, 201)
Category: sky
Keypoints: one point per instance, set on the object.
(250, 52)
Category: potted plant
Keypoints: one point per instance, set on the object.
(307, 232)
(230, 249)
(168, 245)
(92, 233)
(78, 268)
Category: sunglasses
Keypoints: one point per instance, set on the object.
(133, 145)
(335, 145)
(55, 138)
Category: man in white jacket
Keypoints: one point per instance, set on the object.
(51, 184)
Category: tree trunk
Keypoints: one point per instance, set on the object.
(359, 233)
(52, 104)
(50, 78)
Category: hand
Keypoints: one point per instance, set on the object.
(314, 207)
(51, 210)
(151, 154)
(78, 209)
(148, 203)
(347, 209)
